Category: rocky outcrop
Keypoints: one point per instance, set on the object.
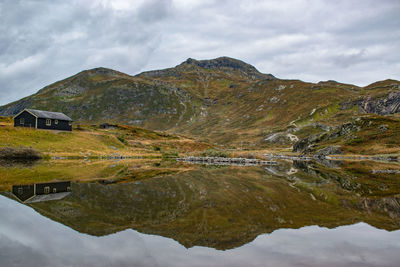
(330, 150)
(307, 145)
(382, 106)
(229, 63)
(389, 205)
(281, 138)
(13, 108)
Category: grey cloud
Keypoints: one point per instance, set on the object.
(348, 41)
(28, 238)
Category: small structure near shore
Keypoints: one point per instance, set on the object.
(42, 191)
(40, 119)
(227, 161)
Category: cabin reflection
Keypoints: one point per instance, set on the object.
(38, 192)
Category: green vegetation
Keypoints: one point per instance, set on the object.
(105, 171)
(215, 153)
(92, 142)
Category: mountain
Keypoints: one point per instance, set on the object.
(221, 100)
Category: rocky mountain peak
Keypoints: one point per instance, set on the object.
(102, 71)
(221, 62)
(227, 63)
(224, 64)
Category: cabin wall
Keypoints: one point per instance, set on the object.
(23, 192)
(48, 188)
(62, 125)
(29, 120)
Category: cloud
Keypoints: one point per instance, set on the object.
(28, 238)
(348, 41)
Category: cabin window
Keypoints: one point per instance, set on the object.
(22, 120)
(70, 123)
(20, 191)
(55, 122)
(54, 190)
(47, 189)
(48, 122)
(68, 188)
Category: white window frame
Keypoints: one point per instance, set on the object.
(55, 122)
(46, 190)
(22, 121)
(48, 122)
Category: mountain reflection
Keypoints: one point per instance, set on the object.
(227, 207)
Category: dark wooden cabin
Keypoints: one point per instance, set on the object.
(40, 119)
(28, 192)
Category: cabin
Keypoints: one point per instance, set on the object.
(41, 191)
(40, 119)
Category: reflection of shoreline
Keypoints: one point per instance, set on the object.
(337, 157)
(23, 163)
(226, 161)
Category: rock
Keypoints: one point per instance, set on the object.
(281, 138)
(9, 110)
(330, 150)
(281, 87)
(323, 127)
(274, 99)
(383, 128)
(292, 137)
(306, 145)
(382, 106)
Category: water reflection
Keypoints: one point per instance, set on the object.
(225, 208)
(29, 239)
(18, 163)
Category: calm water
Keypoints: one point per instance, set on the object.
(288, 215)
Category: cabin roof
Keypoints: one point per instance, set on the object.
(49, 114)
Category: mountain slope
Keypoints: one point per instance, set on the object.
(222, 100)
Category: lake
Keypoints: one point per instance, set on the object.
(166, 213)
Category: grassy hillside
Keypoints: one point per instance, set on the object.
(223, 100)
(90, 141)
(364, 135)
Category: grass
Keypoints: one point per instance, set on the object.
(84, 171)
(90, 141)
(215, 153)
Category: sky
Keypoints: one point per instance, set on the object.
(350, 41)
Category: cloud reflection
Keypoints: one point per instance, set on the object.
(29, 239)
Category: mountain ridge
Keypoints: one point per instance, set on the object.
(222, 100)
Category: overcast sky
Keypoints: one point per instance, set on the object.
(351, 41)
